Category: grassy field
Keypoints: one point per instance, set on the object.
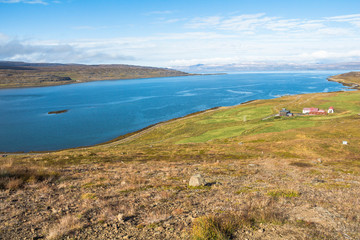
(251, 126)
(267, 177)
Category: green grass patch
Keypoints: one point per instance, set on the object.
(283, 193)
(246, 189)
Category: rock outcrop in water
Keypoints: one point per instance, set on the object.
(58, 112)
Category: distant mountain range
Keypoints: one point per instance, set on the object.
(262, 66)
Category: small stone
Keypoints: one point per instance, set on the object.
(196, 180)
(120, 217)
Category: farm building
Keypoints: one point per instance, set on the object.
(285, 113)
(317, 111)
(314, 111)
(309, 110)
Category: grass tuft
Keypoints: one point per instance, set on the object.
(66, 225)
(15, 177)
(215, 227)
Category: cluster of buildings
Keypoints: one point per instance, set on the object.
(316, 111)
(306, 111)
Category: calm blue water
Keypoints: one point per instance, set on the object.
(100, 111)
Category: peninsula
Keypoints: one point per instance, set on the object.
(351, 79)
(21, 74)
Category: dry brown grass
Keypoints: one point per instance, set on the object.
(156, 217)
(66, 224)
(14, 177)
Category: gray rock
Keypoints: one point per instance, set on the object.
(196, 180)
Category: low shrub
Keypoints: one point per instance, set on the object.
(215, 227)
(15, 177)
(66, 225)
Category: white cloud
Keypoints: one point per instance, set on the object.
(56, 52)
(204, 22)
(328, 55)
(260, 23)
(245, 22)
(344, 17)
(25, 1)
(208, 61)
(209, 40)
(174, 20)
(165, 12)
(353, 19)
(334, 31)
(4, 38)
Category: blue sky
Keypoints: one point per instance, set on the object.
(180, 33)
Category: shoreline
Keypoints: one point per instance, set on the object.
(350, 85)
(103, 80)
(129, 136)
(79, 82)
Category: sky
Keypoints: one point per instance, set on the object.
(169, 33)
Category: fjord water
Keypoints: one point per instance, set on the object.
(101, 111)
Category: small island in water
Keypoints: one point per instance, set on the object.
(58, 112)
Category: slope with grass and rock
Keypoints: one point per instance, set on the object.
(21, 74)
(351, 79)
(265, 178)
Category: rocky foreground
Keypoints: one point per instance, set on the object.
(258, 199)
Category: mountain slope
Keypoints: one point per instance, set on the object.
(20, 74)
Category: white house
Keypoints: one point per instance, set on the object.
(331, 110)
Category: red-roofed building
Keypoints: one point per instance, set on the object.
(331, 110)
(314, 111)
(309, 110)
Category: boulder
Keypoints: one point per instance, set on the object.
(196, 180)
